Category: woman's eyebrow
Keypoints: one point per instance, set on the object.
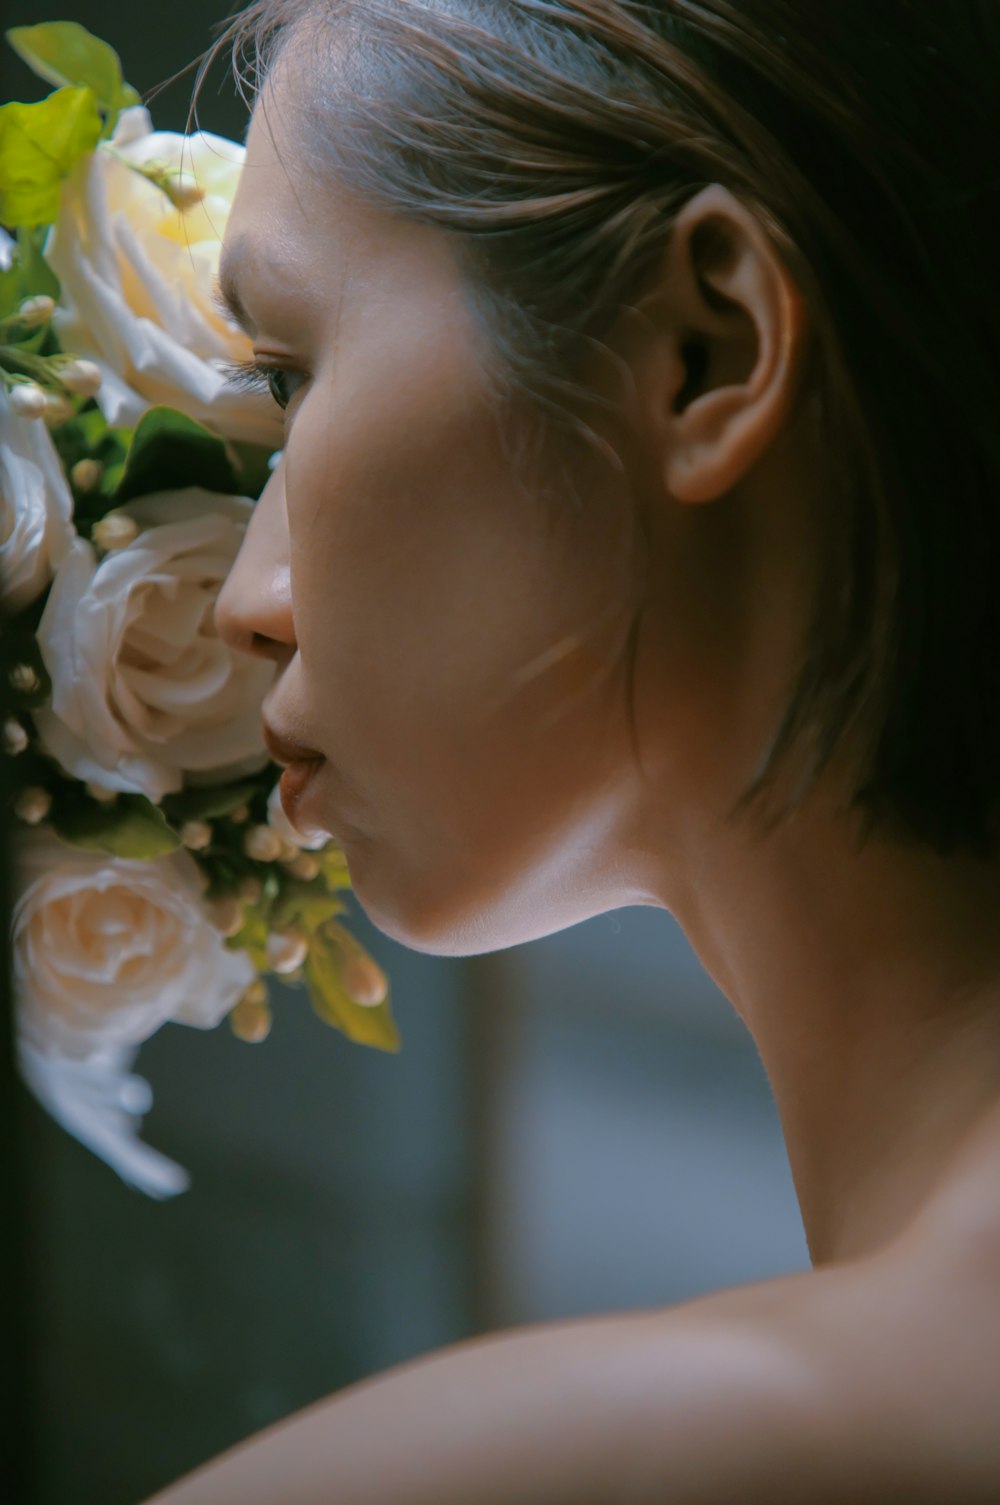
(226, 296)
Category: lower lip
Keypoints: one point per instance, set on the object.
(293, 784)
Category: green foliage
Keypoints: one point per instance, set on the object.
(28, 274)
(64, 52)
(40, 144)
(131, 827)
(207, 803)
(307, 905)
(364, 1025)
(170, 451)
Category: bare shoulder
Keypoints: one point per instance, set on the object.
(875, 1382)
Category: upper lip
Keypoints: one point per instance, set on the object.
(284, 750)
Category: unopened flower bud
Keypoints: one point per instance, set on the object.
(250, 1021)
(256, 991)
(33, 804)
(58, 408)
(287, 949)
(305, 867)
(226, 914)
(114, 531)
(35, 311)
(15, 738)
(86, 474)
(250, 889)
(27, 400)
(196, 835)
(100, 794)
(24, 679)
(288, 851)
(239, 815)
(262, 844)
(363, 981)
(83, 378)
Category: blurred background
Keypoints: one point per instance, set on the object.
(577, 1125)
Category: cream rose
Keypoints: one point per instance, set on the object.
(107, 949)
(36, 509)
(144, 691)
(137, 275)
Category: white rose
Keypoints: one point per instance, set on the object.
(143, 688)
(278, 821)
(36, 509)
(137, 275)
(107, 949)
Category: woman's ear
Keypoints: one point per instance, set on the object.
(731, 333)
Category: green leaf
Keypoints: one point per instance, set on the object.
(206, 804)
(170, 451)
(64, 52)
(29, 273)
(252, 938)
(40, 145)
(365, 1026)
(131, 827)
(333, 866)
(306, 904)
(36, 274)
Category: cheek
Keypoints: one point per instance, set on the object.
(460, 634)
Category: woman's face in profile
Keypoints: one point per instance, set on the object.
(453, 640)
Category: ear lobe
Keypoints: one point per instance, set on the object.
(735, 323)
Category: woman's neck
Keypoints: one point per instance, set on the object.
(870, 981)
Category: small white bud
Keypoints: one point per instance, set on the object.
(86, 474)
(289, 851)
(100, 794)
(287, 949)
(364, 981)
(239, 815)
(36, 310)
(83, 378)
(15, 738)
(33, 804)
(250, 1021)
(305, 867)
(27, 400)
(24, 679)
(226, 914)
(114, 531)
(256, 991)
(196, 835)
(262, 844)
(250, 889)
(58, 408)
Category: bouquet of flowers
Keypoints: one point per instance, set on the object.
(156, 876)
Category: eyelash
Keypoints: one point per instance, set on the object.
(252, 376)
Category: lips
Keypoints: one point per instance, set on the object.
(284, 750)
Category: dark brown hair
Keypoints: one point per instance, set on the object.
(555, 140)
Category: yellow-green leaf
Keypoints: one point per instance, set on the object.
(364, 1025)
(305, 904)
(131, 827)
(39, 146)
(64, 52)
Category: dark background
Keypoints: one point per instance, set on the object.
(576, 1125)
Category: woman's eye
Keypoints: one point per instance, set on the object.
(277, 383)
(255, 376)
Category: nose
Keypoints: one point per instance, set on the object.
(253, 610)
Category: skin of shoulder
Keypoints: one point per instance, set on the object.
(823, 1388)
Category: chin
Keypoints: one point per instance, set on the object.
(451, 919)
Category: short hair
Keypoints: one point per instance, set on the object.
(556, 141)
